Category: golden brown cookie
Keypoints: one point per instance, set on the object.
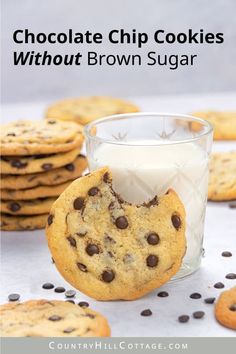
(222, 180)
(224, 123)
(110, 249)
(44, 318)
(86, 109)
(37, 163)
(28, 137)
(34, 193)
(225, 308)
(53, 177)
(22, 222)
(26, 207)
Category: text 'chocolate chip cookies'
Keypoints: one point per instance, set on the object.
(110, 249)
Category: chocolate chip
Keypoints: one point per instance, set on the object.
(69, 330)
(90, 315)
(78, 203)
(198, 314)
(70, 167)
(108, 276)
(52, 260)
(219, 285)
(230, 276)
(152, 261)
(47, 166)
(11, 134)
(111, 206)
(18, 164)
(71, 301)
(82, 267)
(48, 286)
(121, 222)
(83, 304)
(81, 234)
(70, 293)
(106, 177)
(233, 307)
(183, 318)
(92, 249)
(226, 254)
(146, 313)
(210, 300)
(14, 206)
(163, 294)
(93, 191)
(153, 238)
(232, 205)
(176, 221)
(54, 318)
(59, 289)
(72, 241)
(13, 297)
(195, 296)
(51, 122)
(50, 219)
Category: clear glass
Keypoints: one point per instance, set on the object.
(148, 153)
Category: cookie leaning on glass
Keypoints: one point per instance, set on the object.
(39, 159)
(110, 249)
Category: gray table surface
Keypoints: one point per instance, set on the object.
(26, 261)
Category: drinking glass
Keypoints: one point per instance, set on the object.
(148, 153)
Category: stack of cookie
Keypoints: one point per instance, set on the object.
(39, 159)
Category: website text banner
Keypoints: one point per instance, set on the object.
(118, 345)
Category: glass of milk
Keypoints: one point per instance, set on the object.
(148, 153)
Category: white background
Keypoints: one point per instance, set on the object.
(26, 263)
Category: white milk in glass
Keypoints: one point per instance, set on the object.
(142, 171)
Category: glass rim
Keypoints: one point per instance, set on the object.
(117, 117)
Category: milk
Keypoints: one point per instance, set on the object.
(144, 170)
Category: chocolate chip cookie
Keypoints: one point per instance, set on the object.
(85, 109)
(30, 137)
(53, 177)
(225, 308)
(224, 123)
(22, 165)
(22, 222)
(43, 318)
(110, 249)
(27, 207)
(222, 181)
